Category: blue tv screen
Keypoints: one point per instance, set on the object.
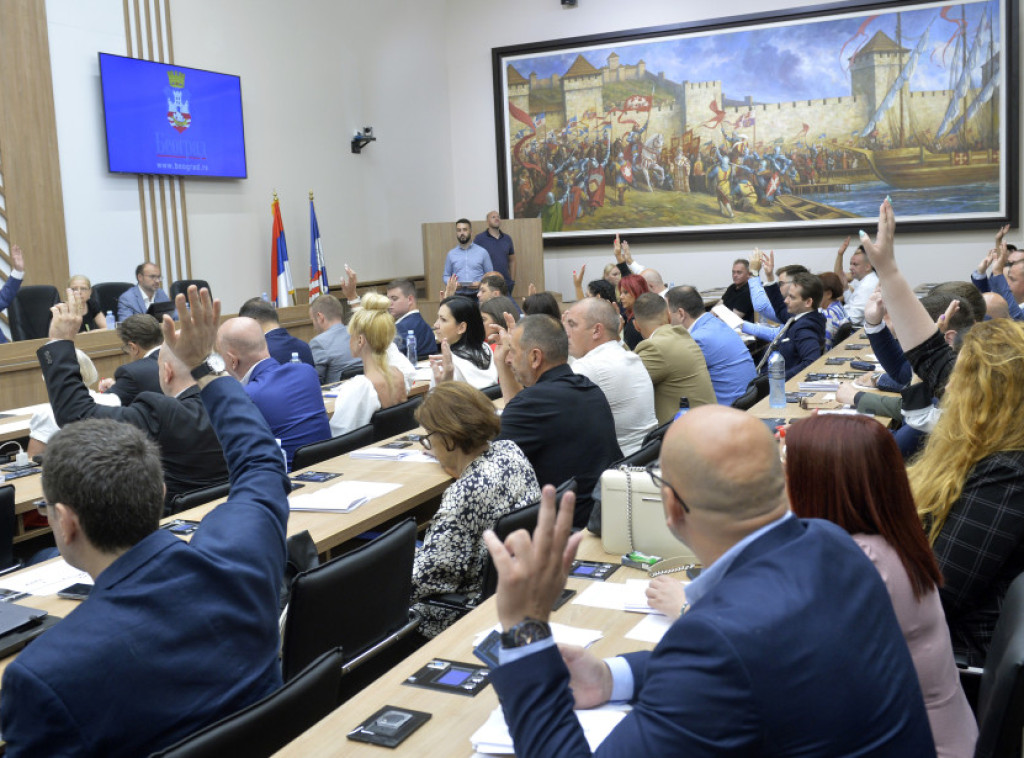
(174, 120)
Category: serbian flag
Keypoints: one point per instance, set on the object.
(317, 270)
(281, 289)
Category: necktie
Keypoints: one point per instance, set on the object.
(773, 343)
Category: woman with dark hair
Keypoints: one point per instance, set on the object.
(601, 288)
(542, 302)
(630, 288)
(848, 470)
(491, 479)
(493, 313)
(460, 327)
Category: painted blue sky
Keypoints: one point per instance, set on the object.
(786, 63)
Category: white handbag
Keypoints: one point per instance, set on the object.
(632, 517)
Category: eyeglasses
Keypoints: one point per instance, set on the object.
(659, 482)
(425, 440)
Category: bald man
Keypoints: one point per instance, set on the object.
(176, 420)
(287, 394)
(787, 643)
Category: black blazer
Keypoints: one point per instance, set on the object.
(564, 425)
(138, 376)
(189, 450)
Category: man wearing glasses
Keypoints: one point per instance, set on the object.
(787, 645)
(138, 299)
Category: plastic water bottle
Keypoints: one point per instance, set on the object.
(776, 380)
(410, 347)
(295, 358)
(684, 406)
(111, 323)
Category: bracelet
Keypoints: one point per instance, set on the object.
(871, 325)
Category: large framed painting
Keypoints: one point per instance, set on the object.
(796, 122)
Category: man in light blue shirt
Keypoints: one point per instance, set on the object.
(729, 363)
(467, 261)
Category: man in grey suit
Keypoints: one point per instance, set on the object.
(331, 351)
(138, 299)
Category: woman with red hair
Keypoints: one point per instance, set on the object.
(848, 470)
(630, 288)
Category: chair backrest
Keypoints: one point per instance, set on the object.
(1001, 695)
(353, 602)
(658, 433)
(8, 526)
(387, 422)
(521, 518)
(270, 724)
(316, 452)
(493, 392)
(350, 371)
(107, 293)
(29, 314)
(187, 500)
(649, 452)
(756, 391)
(842, 333)
(182, 285)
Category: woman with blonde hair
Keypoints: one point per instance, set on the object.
(371, 331)
(968, 482)
(491, 479)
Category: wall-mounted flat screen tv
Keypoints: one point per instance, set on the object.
(173, 120)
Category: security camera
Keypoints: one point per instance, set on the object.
(362, 139)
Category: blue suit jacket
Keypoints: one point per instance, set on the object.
(175, 635)
(426, 342)
(729, 362)
(281, 345)
(7, 293)
(288, 395)
(796, 651)
(131, 302)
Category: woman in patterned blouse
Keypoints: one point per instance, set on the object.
(492, 479)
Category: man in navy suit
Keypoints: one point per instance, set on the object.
(138, 299)
(281, 344)
(787, 643)
(802, 336)
(174, 635)
(13, 283)
(402, 296)
(287, 394)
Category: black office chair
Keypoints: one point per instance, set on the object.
(348, 373)
(191, 499)
(1000, 704)
(399, 418)
(756, 391)
(29, 314)
(8, 528)
(646, 454)
(842, 333)
(317, 452)
(271, 723)
(658, 433)
(108, 293)
(493, 392)
(522, 518)
(358, 601)
(182, 285)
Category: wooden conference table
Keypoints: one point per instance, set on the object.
(456, 717)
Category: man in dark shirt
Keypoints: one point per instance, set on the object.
(560, 419)
(737, 297)
(499, 246)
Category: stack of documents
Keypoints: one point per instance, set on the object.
(411, 455)
(821, 385)
(45, 579)
(493, 738)
(342, 497)
(727, 315)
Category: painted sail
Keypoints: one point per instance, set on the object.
(983, 97)
(901, 80)
(964, 82)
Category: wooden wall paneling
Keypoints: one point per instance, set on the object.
(439, 238)
(33, 200)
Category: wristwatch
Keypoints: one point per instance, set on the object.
(213, 364)
(526, 631)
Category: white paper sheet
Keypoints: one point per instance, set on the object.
(650, 629)
(493, 738)
(411, 455)
(611, 595)
(636, 596)
(563, 634)
(730, 318)
(45, 579)
(342, 497)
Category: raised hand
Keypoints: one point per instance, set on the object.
(880, 252)
(67, 317)
(349, 282)
(441, 365)
(197, 327)
(17, 258)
